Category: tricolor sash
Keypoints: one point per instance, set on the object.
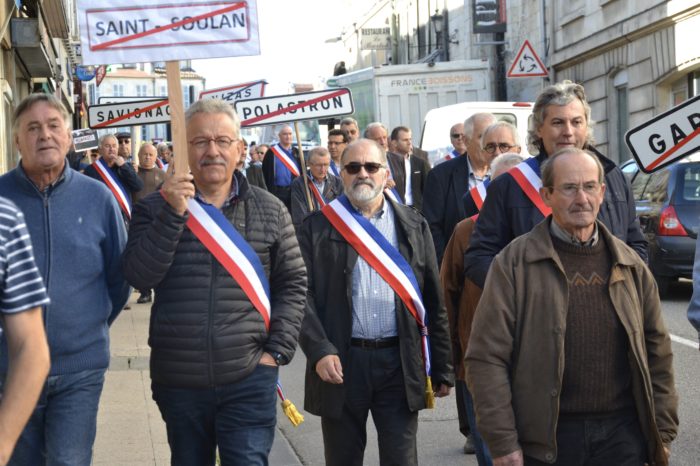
(478, 193)
(112, 181)
(334, 168)
(285, 158)
(159, 163)
(233, 252)
(527, 175)
(374, 248)
(320, 200)
(392, 193)
(452, 155)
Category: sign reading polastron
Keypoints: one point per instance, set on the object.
(117, 31)
(295, 107)
(666, 137)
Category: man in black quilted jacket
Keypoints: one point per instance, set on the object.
(230, 288)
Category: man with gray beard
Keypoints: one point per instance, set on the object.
(363, 338)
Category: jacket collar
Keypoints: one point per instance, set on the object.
(26, 183)
(540, 247)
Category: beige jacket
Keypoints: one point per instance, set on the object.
(515, 358)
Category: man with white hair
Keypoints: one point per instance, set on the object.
(366, 342)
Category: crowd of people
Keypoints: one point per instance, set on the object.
(518, 281)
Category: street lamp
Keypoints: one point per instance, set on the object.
(437, 22)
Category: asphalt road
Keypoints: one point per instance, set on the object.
(439, 440)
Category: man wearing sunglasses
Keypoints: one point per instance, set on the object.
(361, 337)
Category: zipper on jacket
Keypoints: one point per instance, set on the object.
(47, 228)
(210, 323)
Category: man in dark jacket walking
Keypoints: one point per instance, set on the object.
(230, 287)
(560, 119)
(366, 344)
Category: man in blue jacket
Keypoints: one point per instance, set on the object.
(561, 118)
(78, 236)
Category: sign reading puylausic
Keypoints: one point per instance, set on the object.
(295, 107)
(124, 31)
(666, 137)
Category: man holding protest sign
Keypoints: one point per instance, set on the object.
(230, 288)
(281, 166)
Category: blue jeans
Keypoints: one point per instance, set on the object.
(239, 418)
(61, 431)
(483, 456)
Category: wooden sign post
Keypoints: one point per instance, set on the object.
(177, 117)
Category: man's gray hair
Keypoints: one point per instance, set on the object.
(502, 124)
(349, 121)
(35, 98)
(471, 121)
(363, 141)
(373, 125)
(104, 137)
(162, 147)
(504, 162)
(548, 165)
(213, 106)
(318, 151)
(560, 94)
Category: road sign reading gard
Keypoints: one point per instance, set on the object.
(295, 107)
(666, 137)
(124, 31)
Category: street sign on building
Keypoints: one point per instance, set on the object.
(667, 137)
(231, 94)
(141, 112)
(295, 107)
(120, 31)
(527, 64)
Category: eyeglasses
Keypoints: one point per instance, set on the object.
(125, 141)
(571, 189)
(353, 168)
(502, 146)
(221, 142)
(455, 136)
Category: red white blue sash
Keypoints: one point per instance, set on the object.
(334, 168)
(452, 155)
(233, 252)
(285, 158)
(392, 193)
(374, 248)
(112, 181)
(527, 175)
(320, 200)
(478, 193)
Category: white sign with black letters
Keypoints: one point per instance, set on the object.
(666, 137)
(142, 112)
(124, 31)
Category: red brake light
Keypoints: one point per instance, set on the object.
(669, 225)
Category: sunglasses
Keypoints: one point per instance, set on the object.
(370, 167)
(455, 136)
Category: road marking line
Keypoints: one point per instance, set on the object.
(684, 341)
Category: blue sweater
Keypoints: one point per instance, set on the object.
(78, 237)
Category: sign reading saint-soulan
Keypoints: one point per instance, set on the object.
(124, 31)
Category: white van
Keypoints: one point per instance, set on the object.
(435, 138)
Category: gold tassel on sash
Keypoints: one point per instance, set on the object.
(292, 412)
(429, 394)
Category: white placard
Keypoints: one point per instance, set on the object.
(141, 112)
(231, 94)
(124, 31)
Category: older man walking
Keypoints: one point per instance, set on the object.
(78, 237)
(578, 370)
(375, 331)
(230, 286)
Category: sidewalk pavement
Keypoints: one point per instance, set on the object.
(130, 431)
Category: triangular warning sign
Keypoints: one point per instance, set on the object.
(527, 64)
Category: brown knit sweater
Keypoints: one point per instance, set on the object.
(597, 370)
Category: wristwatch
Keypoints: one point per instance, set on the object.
(280, 360)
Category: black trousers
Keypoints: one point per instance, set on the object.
(374, 383)
(611, 441)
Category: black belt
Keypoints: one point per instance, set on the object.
(379, 343)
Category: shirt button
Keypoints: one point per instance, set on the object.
(553, 392)
(549, 456)
(374, 315)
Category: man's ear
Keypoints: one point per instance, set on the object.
(545, 194)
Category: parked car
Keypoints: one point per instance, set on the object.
(668, 207)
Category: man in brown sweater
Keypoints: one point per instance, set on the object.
(152, 178)
(569, 361)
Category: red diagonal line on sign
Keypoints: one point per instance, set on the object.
(670, 152)
(293, 107)
(134, 113)
(150, 32)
